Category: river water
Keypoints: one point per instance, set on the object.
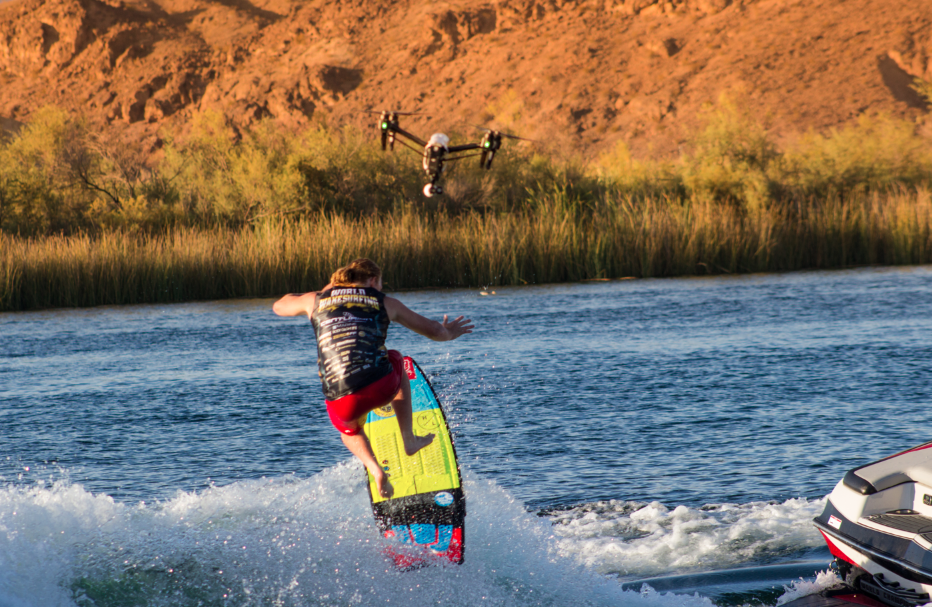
(681, 432)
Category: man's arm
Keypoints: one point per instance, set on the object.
(295, 304)
(431, 329)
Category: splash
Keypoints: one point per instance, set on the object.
(637, 540)
(801, 588)
(283, 541)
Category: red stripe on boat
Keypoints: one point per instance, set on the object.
(835, 550)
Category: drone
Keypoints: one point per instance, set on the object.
(437, 150)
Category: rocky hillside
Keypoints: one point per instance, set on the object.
(578, 74)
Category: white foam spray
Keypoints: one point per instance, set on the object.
(636, 540)
(801, 588)
(291, 541)
(283, 541)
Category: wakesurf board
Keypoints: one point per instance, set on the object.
(837, 596)
(427, 511)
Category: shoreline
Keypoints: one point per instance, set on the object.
(419, 250)
(390, 291)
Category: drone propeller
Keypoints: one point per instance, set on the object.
(518, 138)
(491, 143)
(396, 113)
(503, 134)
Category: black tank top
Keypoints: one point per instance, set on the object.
(351, 324)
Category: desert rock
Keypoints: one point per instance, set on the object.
(581, 75)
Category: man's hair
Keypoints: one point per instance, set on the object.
(359, 270)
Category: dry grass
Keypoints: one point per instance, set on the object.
(556, 239)
(274, 211)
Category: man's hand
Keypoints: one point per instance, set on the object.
(457, 327)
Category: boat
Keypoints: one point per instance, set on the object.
(878, 526)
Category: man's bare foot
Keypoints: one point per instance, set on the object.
(382, 483)
(416, 443)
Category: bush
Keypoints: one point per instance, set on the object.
(41, 172)
(733, 159)
(59, 176)
(636, 179)
(875, 153)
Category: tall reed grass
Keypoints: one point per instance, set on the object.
(556, 239)
(85, 220)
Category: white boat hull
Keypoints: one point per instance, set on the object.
(878, 521)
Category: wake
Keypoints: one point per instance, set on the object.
(291, 541)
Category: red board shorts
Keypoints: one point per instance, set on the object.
(345, 411)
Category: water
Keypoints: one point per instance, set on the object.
(679, 432)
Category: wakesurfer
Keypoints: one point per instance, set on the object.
(350, 317)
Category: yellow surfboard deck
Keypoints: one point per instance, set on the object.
(434, 467)
(428, 507)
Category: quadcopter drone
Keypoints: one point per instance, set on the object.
(437, 150)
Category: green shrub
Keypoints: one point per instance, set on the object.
(874, 153)
(41, 171)
(59, 176)
(636, 179)
(733, 159)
